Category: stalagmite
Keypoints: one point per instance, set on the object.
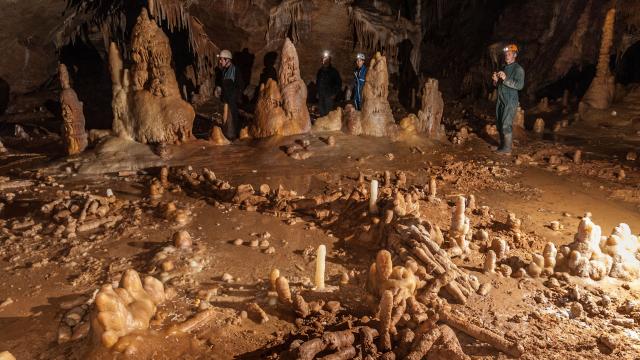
(536, 266)
(217, 137)
(273, 276)
(432, 187)
(500, 247)
(5, 355)
(300, 306)
(490, 262)
(147, 104)
(282, 106)
(182, 240)
(538, 126)
(373, 198)
(577, 157)
(75, 136)
(377, 118)
(460, 228)
(513, 223)
(294, 91)
(320, 267)
(125, 309)
(331, 122)
(430, 115)
(284, 292)
(549, 253)
(601, 91)
(386, 306)
(518, 121)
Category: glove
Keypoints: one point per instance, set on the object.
(217, 92)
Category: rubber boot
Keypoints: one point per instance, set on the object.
(507, 144)
(501, 145)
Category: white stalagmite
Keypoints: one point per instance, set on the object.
(432, 187)
(320, 257)
(460, 227)
(373, 199)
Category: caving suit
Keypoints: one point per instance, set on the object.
(507, 103)
(329, 85)
(359, 76)
(231, 89)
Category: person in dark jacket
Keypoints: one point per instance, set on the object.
(229, 89)
(509, 81)
(329, 84)
(359, 75)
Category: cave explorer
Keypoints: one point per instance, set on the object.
(509, 81)
(359, 75)
(329, 85)
(229, 90)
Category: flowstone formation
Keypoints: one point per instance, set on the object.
(592, 255)
(147, 106)
(377, 118)
(125, 309)
(601, 91)
(75, 136)
(282, 108)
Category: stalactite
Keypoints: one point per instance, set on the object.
(572, 52)
(377, 32)
(287, 19)
(110, 18)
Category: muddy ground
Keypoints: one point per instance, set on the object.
(540, 183)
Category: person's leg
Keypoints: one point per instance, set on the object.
(329, 104)
(230, 128)
(508, 115)
(499, 115)
(322, 105)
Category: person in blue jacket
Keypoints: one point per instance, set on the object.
(359, 75)
(509, 81)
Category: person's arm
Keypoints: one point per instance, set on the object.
(517, 80)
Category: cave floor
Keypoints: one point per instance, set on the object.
(540, 184)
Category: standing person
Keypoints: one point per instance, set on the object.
(329, 85)
(509, 81)
(359, 75)
(228, 89)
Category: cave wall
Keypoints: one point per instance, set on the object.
(240, 24)
(27, 33)
(461, 37)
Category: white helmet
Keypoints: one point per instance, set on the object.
(225, 54)
(326, 54)
(360, 56)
